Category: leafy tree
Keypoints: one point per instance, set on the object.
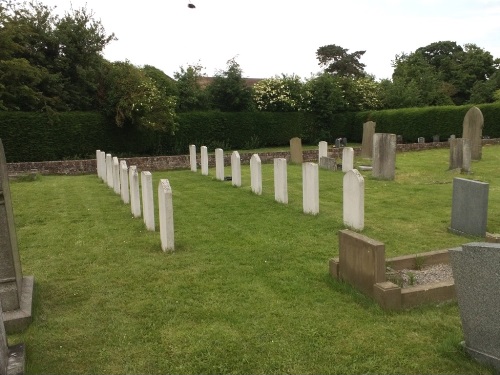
(132, 98)
(486, 91)
(229, 92)
(279, 94)
(164, 83)
(360, 94)
(338, 61)
(191, 96)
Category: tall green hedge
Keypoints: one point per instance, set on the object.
(69, 135)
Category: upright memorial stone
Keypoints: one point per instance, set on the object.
(322, 150)
(192, 157)
(469, 208)
(476, 276)
(204, 160)
(280, 181)
(296, 151)
(135, 194)
(103, 166)
(124, 189)
(347, 159)
(460, 154)
(15, 290)
(235, 169)
(166, 213)
(367, 141)
(148, 211)
(473, 131)
(354, 200)
(219, 164)
(421, 140)
(310, 188)
(109, 170)
(384, 156)
(98, 164)
(116, 175)
(256, 174)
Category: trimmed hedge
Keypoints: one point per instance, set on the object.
(74, 135)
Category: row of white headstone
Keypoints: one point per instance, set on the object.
(353, 182)
(125, 182)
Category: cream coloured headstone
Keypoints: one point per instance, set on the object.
(124, 188)
(354, 199)
(367, 141)
(347, 159)
(219, 164)
(192, 157)
(109, 170)
(256, 174)
(322, 150)
(310, 188)
(204, 160)
(235, 169)
(280, 180)
(135, 193)
(116, 175)
(296, 150)
(166, 213)
(148, 211)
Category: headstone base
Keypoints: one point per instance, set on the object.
(16, 321)
(17, 360)
(483, 358)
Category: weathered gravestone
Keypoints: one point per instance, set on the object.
(296, 151)
(460, 154)
(347, 159)
(135, 192)
(476, 274)
(192, 157)
(354, 200)
(235, 169)
(435, 138)
(310, 188)
(109, 170)
(322, 149)
(367, 141)
(124, 186)
(473, 131)
(328, 163)
(148, 213)
(469, 209)
(421, 140)
(399, 139)
(219, 164)
(12, 358)
(280, 181)
(256, 174)
(166, 215)
(116, 175)
(103, 166)
(384, 156)
(16, 291)
(204, 160)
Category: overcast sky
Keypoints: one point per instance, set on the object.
(274, 37)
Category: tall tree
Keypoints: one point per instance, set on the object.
(191, 96)
(279, 94)
(336, 60)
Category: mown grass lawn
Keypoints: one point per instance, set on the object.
(247, 290)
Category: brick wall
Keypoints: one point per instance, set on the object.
(155, 163)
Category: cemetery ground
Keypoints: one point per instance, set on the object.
(247, 289)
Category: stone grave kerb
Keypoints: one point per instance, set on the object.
(16, 291)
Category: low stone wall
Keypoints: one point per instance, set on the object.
(156, 163)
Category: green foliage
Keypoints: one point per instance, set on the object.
(336, 60)
(191, 96)
(279, 94)
(162, 81)
(228, 92)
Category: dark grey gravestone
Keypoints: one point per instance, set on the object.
(338, 142)
(421, 140)
(476, 274)
(435, 138)
(344, 142)
(12, 359)
(469, 208)
(384, 156)
(399, 139)
(13, 287)
(460, 154)
(326, 162)
(473, 130)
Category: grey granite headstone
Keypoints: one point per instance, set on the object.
(328, 163)
(473, 131)
(435, 138)
(460, 154)
(344, 142)
(421, 140)
(476, 274)
(15, 290)
(296, 151)
(367, 141)
(384, 156)
(399, 139)
(469, 209)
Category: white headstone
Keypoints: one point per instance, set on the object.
(109, 170)
(256, 174)
(148, 211)
(192, 157)
(204, 160)
(322, 150)
(166, 213)
(103, 166)
(280, 181)
(219, 164)
(124, 192)
(116, 175)
(310, 188)
(98, 164)
(354, 199)
(347, 159)
(235, 169)
(135, 194)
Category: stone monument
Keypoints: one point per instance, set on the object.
(12, 358)
(16, 291)
(296, 151)
(367, 141)
(469, 207)
(384, 156)
(473, 131)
